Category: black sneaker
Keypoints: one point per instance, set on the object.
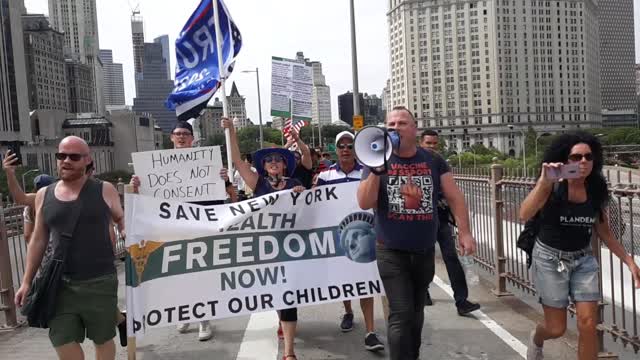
(427, 299)
(347, 322)
(466, 307)
(372, 343)
(122, 330)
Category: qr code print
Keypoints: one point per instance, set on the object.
(396, 201)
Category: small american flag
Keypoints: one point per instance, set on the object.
(295, 124)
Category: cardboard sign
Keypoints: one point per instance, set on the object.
(191, 174)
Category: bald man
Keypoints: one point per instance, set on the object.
(87, 299)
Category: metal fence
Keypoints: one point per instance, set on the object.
(13, 257)
(494, 201)
(13, 253)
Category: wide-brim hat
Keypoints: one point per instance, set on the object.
(288, 156)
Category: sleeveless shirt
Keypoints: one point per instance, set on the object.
(90, 253)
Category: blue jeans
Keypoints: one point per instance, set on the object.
(563, 275)
(405, 275)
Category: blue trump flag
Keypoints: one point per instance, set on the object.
(197, 72)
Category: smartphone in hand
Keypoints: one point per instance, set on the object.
(566, 171)
(14, 147)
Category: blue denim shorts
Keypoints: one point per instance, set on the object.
(563, 275)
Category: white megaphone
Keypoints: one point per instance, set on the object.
(373, 147)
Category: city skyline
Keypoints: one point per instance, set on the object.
(261, 41)
(371, 24)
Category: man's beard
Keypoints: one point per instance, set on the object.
(70, 175)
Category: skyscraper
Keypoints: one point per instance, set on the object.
(80, 87)
(14, 102)
(78, 20)
(617, 62)
(166, 52)
(113, 81)
(137, 37)
(470, 68)
(154, 87)
(321, 93)
(46, 74)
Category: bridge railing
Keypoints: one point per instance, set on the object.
(13, 256)
(494, 201)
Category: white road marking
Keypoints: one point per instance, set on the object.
(260, 340)
(503, 334)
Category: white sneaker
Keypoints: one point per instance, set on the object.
(183, 328)
(534, 352)
(205, 332)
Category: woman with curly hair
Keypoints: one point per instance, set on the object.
(564, 267)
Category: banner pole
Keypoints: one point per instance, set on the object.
(131, 340)
(223, 77)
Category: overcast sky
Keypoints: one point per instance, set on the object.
(269, 28)
(319, 28)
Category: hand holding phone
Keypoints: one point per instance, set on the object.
(14, 147)
(564, 171)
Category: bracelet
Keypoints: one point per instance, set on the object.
(227, 183)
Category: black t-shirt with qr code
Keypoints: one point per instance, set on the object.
(397, 226)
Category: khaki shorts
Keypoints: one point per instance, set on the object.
(86, 308)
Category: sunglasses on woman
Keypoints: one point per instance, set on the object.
(345, 146)
(272, 158)
(72, 157)
(578, 157)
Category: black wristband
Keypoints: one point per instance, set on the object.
(227, 183)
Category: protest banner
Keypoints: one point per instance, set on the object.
(191, 174)
(188, 263)
(291, 89)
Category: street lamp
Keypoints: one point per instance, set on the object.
(354, 61)
(474, 156)
(524, 149)
(259, 103)
(24, 188)
(538, 138)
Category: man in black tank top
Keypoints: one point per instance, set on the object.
(87, 300)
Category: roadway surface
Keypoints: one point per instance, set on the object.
(498, 333)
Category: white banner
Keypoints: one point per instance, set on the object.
(291, 88)
(191, 174)
(187, 263)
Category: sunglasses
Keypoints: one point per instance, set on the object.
(182, 133)
(272, 158)
(72, 157)
(345, 146)
(578, 157)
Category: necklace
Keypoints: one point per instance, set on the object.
(274, 181)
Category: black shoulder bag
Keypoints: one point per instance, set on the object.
(528, 236)
(40, 304)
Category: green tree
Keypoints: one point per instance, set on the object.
(273, 136)
(4, 188)
(166, 141)
(329, 133)
(114, 176)
(215, 140)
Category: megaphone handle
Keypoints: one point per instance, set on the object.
(379, 172)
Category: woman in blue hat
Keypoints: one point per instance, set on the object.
(274, 168)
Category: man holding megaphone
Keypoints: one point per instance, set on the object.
(402, 183)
